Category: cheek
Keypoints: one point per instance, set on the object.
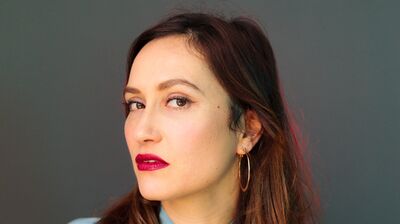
(204, 148)
(127, 131)
(194, 133)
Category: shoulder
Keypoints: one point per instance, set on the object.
(91, 220)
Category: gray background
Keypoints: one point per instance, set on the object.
(63, 153)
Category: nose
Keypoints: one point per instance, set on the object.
(142, 127)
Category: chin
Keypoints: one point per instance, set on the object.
(153, 191)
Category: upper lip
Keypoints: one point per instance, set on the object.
(141, 158)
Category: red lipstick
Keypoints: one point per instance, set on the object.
(149, 162)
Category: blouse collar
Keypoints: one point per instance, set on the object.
(164, 217)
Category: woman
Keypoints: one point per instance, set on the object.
(207, 129)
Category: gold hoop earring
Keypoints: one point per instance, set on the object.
(244, 189)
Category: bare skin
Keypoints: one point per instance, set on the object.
(200, 185)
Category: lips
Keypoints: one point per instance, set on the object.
(150, 162)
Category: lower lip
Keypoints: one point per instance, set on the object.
(151, 166)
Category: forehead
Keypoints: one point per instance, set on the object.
(167, 58)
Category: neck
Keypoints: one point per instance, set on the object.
(215, 205)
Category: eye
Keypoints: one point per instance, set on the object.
(132, 104)
(181, 101)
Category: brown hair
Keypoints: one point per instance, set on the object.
(241, 57)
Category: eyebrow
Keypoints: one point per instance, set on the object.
(165, 85)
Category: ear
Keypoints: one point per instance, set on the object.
(252, 133)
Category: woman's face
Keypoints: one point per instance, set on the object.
(185, 125)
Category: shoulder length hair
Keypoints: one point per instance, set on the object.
(241, 57)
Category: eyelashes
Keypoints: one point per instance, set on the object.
(181, 102)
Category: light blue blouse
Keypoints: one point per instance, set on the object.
(164, 219)
(92, 220)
